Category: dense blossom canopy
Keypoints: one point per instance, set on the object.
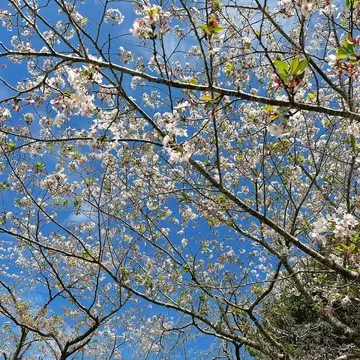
(179, 179)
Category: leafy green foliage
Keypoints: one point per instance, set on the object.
(296, 69)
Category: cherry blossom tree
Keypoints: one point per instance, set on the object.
(179, 179)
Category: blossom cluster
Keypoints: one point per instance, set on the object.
(114, 16)
(79, 101)
(341, 227)
(155, 23)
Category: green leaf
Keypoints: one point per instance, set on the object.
(302, 65)
(312, 96)
(217, 30)
(282, 66)
(300, 158)
(293, 66)
(301, 75)
(12, 145)
(349, 46)
(204, 28)
(184, 197)
(352, 247)
(356, 238)
(229, 68)
(217, 5)
(4, 185)
(342, 54)
(89, 181)
(187, 268)
(107, 186)
(39, 166)
(206, 98)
